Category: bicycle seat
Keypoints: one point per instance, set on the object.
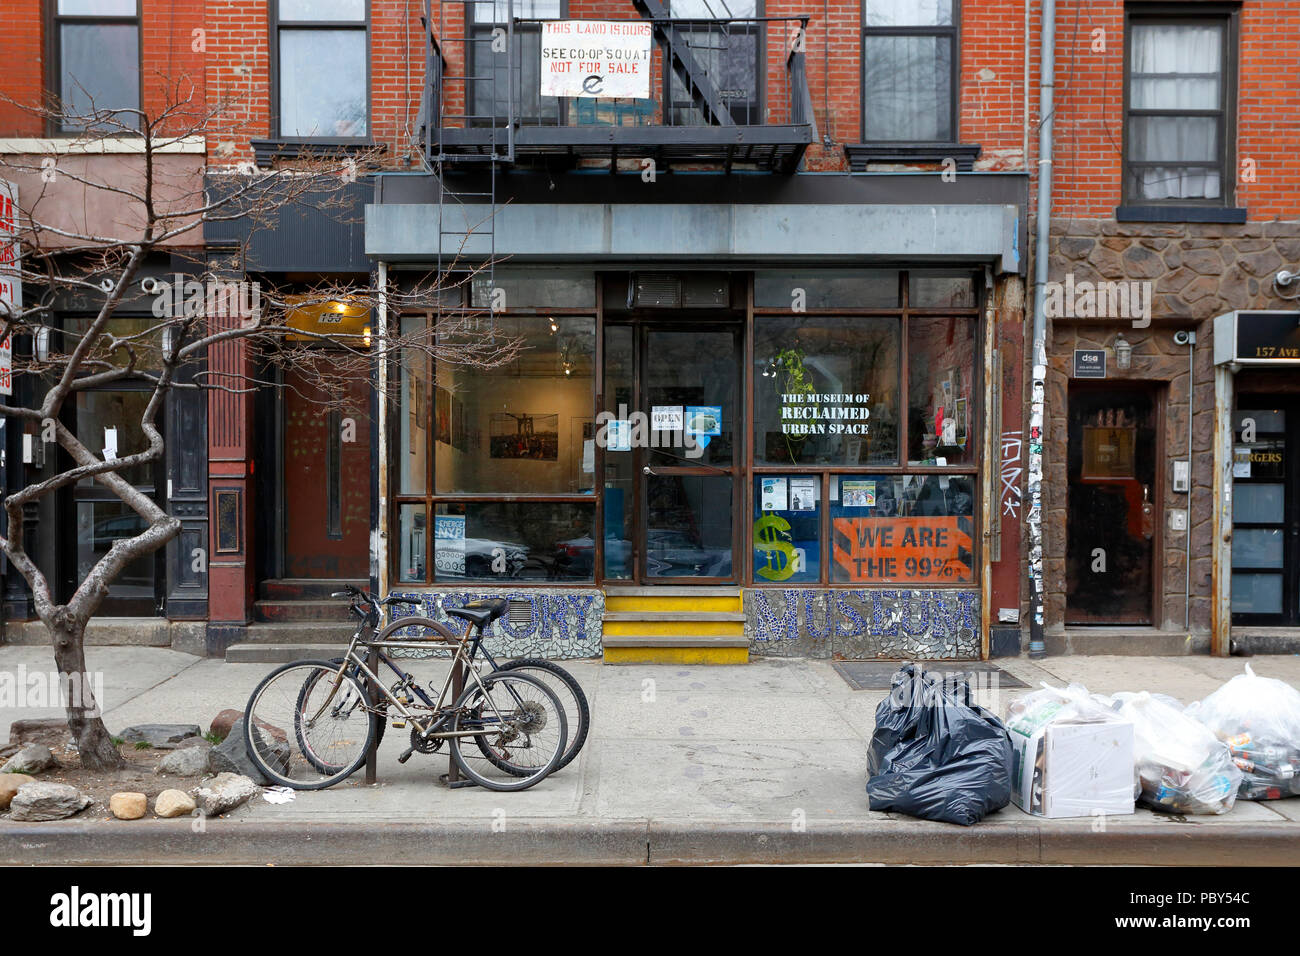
(480, 613)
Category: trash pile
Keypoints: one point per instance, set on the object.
(1181, 766)
(1064, 752)
(935, 754)
(1258, 718)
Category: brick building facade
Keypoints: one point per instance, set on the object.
(827, 181)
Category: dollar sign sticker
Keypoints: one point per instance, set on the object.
(769, 531)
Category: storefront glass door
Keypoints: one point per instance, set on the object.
(1265, 513)
(671, 471)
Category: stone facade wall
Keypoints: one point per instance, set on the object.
(897, 624)
(566, 622)
(1197, 271)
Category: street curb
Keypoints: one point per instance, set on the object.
(638, 842)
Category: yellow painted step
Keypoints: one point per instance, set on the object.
(613, 603)
(677, 655)
(671, 628)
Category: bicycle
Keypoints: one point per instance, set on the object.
(564, 684)
(335, 709)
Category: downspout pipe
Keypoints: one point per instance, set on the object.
(1038, 404)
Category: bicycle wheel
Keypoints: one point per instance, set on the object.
(569, 692)
(381, 719)
(306, 726)
(523, 725)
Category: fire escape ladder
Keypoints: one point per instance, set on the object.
(677, 46)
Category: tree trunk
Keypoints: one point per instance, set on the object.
(94, 744)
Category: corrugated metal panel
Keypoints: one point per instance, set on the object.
(308, 237)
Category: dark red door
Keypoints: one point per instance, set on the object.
(1114, 506)
(326, 475)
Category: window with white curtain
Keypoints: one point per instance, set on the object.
(909, 61)
(321, 49)
(1176, 133)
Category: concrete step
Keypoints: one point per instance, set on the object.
(298, 632)
(282, 653)
(291, 611)
(304, 589)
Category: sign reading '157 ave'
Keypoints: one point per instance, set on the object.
(596, 58)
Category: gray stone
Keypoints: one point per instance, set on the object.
(160, 736)
(1142, 263)
(46, 801)
(33, 758)
(186, 761)
(1263, 262)
(231, 756)
(41, 730)
(1203, 260)
(1075, 248)
(223, 793)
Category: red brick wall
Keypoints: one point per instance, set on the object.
(1090, 97)
(169, 60)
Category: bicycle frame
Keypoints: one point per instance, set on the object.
(440, 713)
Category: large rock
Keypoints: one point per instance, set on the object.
(9, 784)
(174, 803)
(222, 723)
(32, 758)
(128, 806)
(223, 793)
(46, 801)
(41, 730)
(160, 736)
(186, 761)
(231, 756)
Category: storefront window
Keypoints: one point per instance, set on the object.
(937, 289)
(512, 289)
(493, 542)
(411, 536)
(902, 529)
(787, 528)
(827, 289)
(522, 428)
(941, 391)
(826, 390)
(413, 414)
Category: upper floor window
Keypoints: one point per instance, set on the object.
(323, 75)
(909, 71)
(98, 63)
(491, 63)
(1177, 131)
(729, 52)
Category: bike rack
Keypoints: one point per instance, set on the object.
(518, 612)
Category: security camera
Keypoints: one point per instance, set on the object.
(1181, 338)
(1285, 278)
(106, 285)
(149, 285)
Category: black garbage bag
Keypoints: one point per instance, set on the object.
(935, 754)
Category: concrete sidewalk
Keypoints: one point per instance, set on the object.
(758, 763)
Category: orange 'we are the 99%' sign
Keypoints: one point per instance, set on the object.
(904, 550)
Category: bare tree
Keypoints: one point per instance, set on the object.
(161, 211)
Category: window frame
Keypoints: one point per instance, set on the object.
(826, 472)
(275, 26)
(952, 30)
(757, 104)
(54, 22)
(431, 498)
(1216, 15)
(473, 30)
